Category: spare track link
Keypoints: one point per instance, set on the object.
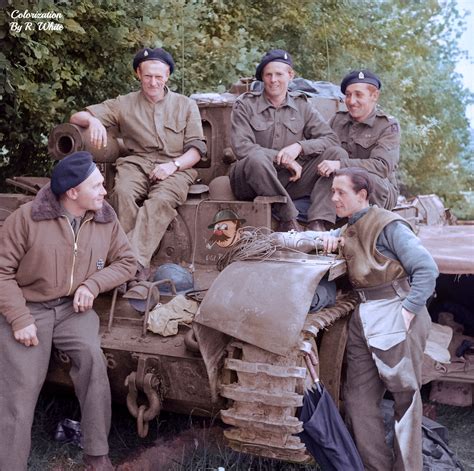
(266, 389)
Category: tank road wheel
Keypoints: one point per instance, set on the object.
(266, 389)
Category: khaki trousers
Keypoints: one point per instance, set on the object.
(254, 176)
(146, 209)
(371, 372)
(23, 371)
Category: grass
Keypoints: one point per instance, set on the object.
(460, 423)
(47, 454)
(185, 443)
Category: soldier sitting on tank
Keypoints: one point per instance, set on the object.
(279, 139)
(370, 138)
(394, 276)
(163, 134)
(57, 253)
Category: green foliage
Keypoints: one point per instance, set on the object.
(47, 75)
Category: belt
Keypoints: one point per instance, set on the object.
(393, 289)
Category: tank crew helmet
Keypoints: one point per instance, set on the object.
(156, 54)
(225, 215)
(71, 171)
(182, 278)
(274, 55)
(360, 76)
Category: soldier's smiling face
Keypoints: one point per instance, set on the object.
(276, 78)
(361, 99)
(153, 75)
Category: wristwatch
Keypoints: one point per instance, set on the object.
(178, 165)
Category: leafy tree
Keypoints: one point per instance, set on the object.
(46, 75)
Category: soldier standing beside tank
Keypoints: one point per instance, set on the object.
(57, 253)
(394, 276)
(163, 134)
(370, 138)
(279, 139)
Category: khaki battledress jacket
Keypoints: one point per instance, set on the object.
(41, 259)
(373, 144)
(260, 128)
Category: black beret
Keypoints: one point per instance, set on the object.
(157, 54)
(360, 76)
(275, 55)
(71, 171)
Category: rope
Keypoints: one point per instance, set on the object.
(254, 243)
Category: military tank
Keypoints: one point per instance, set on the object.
(249, 364)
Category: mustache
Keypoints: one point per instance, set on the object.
(219, 238)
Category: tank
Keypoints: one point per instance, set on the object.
(253, 373)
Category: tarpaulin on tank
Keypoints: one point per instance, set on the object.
(452, 247)
(263, 303)
(310, 87)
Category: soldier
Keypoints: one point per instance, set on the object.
(394, 276)
(279, 139)
(162, 132)
(370, 138)
(57, 253)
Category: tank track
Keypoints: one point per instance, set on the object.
(266, 389)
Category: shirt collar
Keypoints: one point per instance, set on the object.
(356, 216)
(370, 120)
(264, 103)
(146, 100)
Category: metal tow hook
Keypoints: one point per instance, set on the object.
(143, 413)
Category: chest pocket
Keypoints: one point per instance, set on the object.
(260, 125)
(174, 136)
(363, 147)
(294, 126)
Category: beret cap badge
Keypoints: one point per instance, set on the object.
(274, 55)
(156, 54)
(360, 76)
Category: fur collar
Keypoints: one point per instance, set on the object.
(46, 206)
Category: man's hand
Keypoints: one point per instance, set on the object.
(98, 133)
(407, 317)
(331, 243)
(288, 154)
(83, 299)
(295, 169)
(162, 171)
(27, 335)
(328, 167)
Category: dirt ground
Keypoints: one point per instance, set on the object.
(180, 443)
